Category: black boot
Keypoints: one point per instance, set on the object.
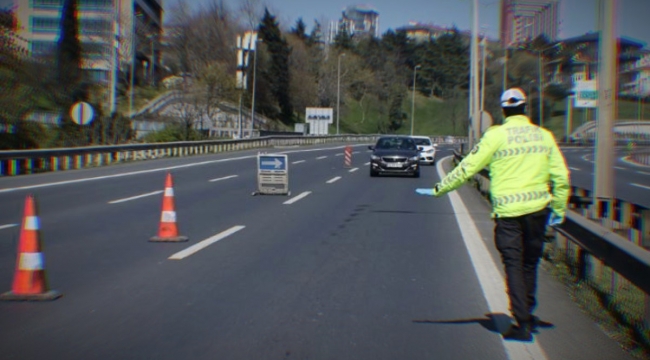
(539, 323)
(521, 332)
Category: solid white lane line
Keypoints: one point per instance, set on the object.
(298, 162)
(366, 164)
(224, 178)
(355, 152)
(135, 197)
(353, 170)
(321, 157)
(126, 174)
(65, 182)
(641, 186)
(490, 279)
(205, 243)
(7, 226)
(620, 168)
(333, 180)
(643, 173)
(574, 169)
(339, 154)
(296, 198)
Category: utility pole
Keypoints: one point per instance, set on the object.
(132, 72)
(153, 61)
(483, 58)
(474, 99)
(415, 69)
(505, 72)
(114, 57)
(607, 92)
(569, 117)
(338, 95)
(541, 88)
(254, 48)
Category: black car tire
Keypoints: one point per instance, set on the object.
(416, 173)
(373, 173)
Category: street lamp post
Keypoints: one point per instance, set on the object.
(253, 95)
(541, 89)
(505, 71)
(530, 108)
(483, 60)
(415, 69)
(338, 95)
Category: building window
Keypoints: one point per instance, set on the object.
(47, 3)
(94, 50)
(82, 4)
(94, 27)
(97, 75)
(43, 47)
(96, 4)
(45, 24)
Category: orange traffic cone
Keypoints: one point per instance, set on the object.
(168, 231)
(30, 282)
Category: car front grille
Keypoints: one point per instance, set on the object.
(394, 159)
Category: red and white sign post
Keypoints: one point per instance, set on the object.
(348, 156)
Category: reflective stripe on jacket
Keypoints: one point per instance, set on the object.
(523, 159)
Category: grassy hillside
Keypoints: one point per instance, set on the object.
(438, 117)
(432, 117)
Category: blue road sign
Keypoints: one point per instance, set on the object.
(273, 162)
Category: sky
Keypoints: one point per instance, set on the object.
(576, 16)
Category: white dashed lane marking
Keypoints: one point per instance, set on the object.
(296, 198)
(135, 197)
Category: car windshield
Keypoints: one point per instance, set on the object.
(422, 141)
(396, 144)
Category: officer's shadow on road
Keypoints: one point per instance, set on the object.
(494, 322)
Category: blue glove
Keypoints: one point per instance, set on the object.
(424, 191)
(555, 220)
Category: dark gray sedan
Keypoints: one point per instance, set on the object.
(396, 155)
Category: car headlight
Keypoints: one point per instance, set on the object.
(430, 151)
(374, 157)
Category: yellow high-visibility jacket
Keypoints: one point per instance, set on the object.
(523, 160)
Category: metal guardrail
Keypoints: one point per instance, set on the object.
(613, 250)
(19, 162)
(596, 230)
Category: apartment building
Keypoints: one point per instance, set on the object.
(358, 21)
(104, 25)
(524, 20)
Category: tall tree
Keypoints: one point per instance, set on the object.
(69, 75)
(343, 40)
(316, 35)
(277, 73)
(69, 55)
(454, 62)
(300, 30)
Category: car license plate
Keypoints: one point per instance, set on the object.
(394, 165)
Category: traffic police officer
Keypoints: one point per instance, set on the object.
(523, 161)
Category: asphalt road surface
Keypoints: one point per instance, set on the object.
(631, 181)
(347, 267)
